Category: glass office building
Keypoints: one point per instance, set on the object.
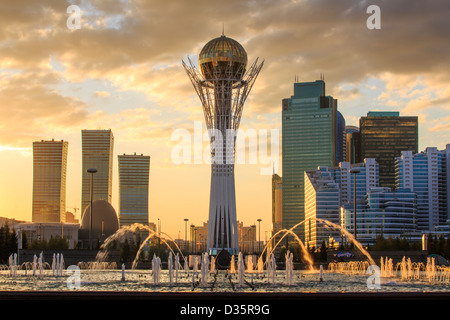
(322, 201)
(384, 135)
(427, 174)
(309, 120)
(379, 211)
(49, 181)
(134, 172)
(340, 138)
(387, 213)
(366, 179)
(97, 152)
(352, 149)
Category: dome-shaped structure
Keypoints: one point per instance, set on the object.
(104, 222)
(223, 57)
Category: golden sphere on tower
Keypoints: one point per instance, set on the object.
(223, 58)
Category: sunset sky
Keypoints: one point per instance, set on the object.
(122, 70)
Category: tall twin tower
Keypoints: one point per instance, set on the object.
(222, 86)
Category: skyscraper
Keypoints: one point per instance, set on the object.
(322, 201)
(384, 135)
(277, 206)
(309, 120)
(340, 138)
(134, 173)
(222, 86)
(352, 152)
(366, 179)
(427, 174)
(49, 181)
(97, 152)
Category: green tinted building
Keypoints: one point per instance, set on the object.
(309, 120)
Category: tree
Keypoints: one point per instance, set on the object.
(323, 252)
(125, 251)
(8, 243)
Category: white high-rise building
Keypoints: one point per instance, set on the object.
(322, 201)
(427, 174)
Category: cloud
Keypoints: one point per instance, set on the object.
(102, 94)
(443, 125)
(138, 46)
(31, 110)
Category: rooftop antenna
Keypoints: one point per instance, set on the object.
(223, 29)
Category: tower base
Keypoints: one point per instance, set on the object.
(222, 223)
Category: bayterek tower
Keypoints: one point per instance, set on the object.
(223, 86)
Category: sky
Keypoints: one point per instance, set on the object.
(122, 70)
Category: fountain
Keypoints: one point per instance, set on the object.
(257, 273)
(289, 268)
(271, 269)
(232, 266)
(12, 262)
(102, 254)
(205, 269)
(260, 266)
(57, 264)
(305, 252)
(241, 269)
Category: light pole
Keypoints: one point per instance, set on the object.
(191, 236)
(195, 240)
(259, 236)
(253, 237)
(91, 171)
(354, 171)
(159, 237)
(185, 235)
(342, 227)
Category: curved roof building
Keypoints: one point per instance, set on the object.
(104, 222)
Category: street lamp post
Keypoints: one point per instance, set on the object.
(253, 237)
(159, 237)
(195, 240)
(185, 235)
(342, 226)
(259, 236)
(91, 171)
(354, 171)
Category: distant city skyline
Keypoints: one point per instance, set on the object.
(121, 70)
